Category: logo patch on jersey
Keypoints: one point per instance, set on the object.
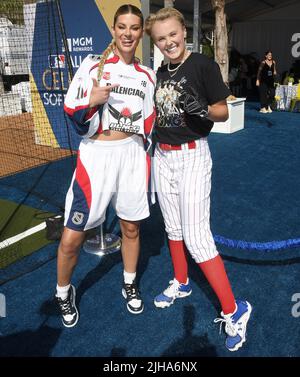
(125, 119)
(77, 218)
(106, 76)
(95, 58)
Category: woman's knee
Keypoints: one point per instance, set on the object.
(71, 242)
(130, 230)
(201, 246)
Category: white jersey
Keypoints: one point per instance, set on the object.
(130, 107)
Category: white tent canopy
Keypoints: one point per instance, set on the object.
(236, 10)
(255, 26)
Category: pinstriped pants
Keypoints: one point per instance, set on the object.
(183, 183)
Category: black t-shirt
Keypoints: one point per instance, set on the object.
(199, 76)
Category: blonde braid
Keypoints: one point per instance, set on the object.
(104, 56)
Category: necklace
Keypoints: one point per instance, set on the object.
(173, 71)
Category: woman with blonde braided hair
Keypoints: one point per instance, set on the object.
(110, 104)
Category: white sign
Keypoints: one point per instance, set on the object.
(296, 46)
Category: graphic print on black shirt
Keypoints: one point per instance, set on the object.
(169, 113)
(172, 100)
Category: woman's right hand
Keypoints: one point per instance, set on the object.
(257, 82)
(100, 94)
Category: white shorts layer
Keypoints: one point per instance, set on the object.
(107, 171)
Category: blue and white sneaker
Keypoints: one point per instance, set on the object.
(236, 325)
(174, 290)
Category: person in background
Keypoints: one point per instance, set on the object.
(110, 103)
(190, 96)
(265, 82)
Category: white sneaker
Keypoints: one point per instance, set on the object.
(263, 110)
(175, 290)
(236, 325)
(270, 110)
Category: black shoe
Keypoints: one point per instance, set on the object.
(68, 308)
(132, 295)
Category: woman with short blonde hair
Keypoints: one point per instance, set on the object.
(190, 96)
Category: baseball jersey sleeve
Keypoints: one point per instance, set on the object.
(85, 120)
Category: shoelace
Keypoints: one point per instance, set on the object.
(131, 291)
(172, 288)
(229, 325)
(65, 305)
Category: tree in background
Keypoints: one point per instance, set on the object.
(221, 38)
(13, 10)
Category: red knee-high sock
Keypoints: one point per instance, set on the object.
(177, 251)
(215, 273)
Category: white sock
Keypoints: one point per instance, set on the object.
(129, 277)
(62, 292)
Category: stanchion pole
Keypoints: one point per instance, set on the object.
(102, 244)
